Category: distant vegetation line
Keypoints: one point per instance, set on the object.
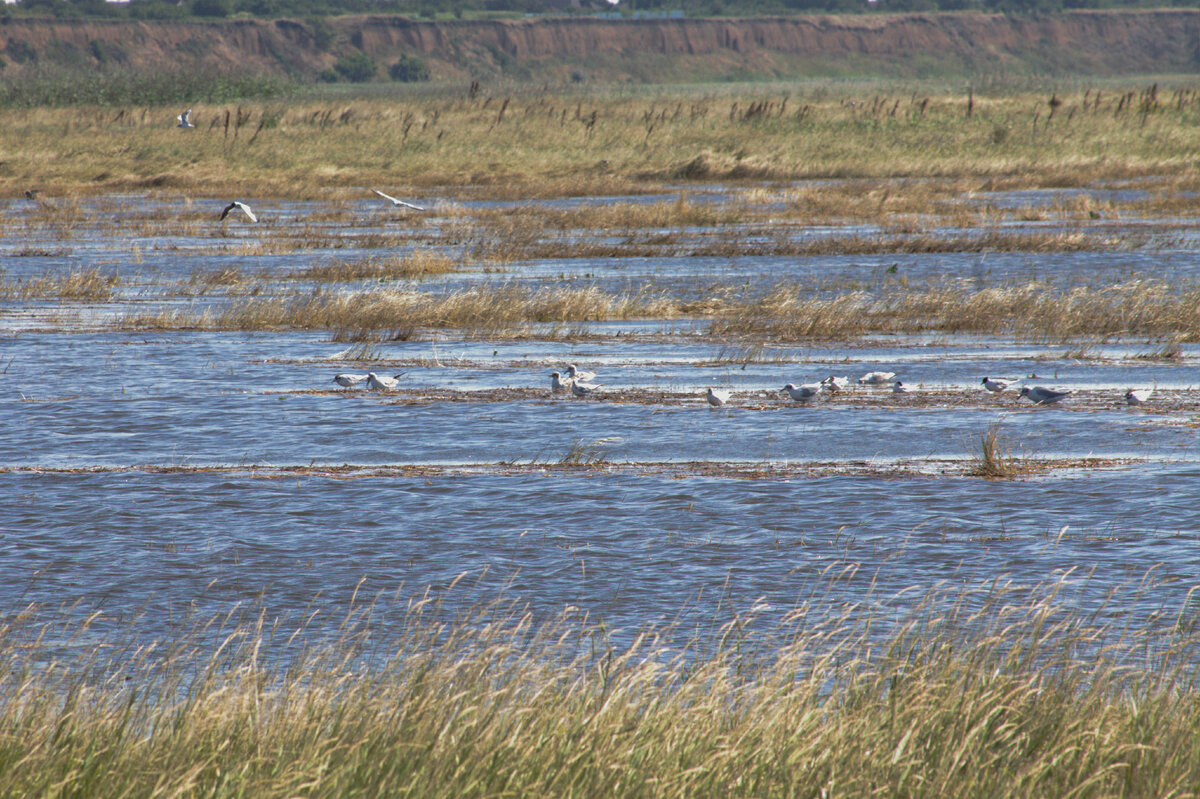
(123, 87)
(476, 9)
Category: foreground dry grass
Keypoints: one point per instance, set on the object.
(558, 142)
(995, 692)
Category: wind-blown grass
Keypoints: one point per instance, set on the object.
(488, 308)
(78, 284)
(994, 460)
(784, 313)
(416, 264)
(999, 692)
(1030, 309)
(583, 141)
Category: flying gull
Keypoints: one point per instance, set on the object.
(245, 209)
(397, 202)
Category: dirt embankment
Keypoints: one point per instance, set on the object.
(1111, 42)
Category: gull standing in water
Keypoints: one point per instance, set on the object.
(185, 119)
(385, 383)
(581, 391)
(898, 388)
(875, 378)
(803, 392)
(245, 209)
(346, 379)
(832, 383)
(1137, 396)
(578, 376)
(1043, 396)
(398, 203)
(717, 398)
(557, 383)
(998, 384)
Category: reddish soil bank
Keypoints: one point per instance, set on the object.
(1085, 42)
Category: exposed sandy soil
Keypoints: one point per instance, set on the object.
(554, 49)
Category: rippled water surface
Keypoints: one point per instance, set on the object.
(147, 472)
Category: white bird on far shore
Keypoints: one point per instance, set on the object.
(185, 119)
(245, 209)
(384, 383)
(1137, 396)
(1043, 396)
(804, 392)
(397, 202)
(346, 379)
(717, 397)
(875, 378)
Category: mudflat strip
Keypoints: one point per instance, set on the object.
(758, 470)
(1166, 402)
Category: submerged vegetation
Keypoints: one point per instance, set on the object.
(1003, 691)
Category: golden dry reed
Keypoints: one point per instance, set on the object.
(999, 692)
(418, 263)
(784, 313)
(994, 460)
(78, 284)
(1029, 309)
(604, 141)
(486, 309)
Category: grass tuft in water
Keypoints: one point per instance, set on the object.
(586, 453)
(994, 459)
(418, 263)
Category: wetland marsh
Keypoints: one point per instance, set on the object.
(175, 448)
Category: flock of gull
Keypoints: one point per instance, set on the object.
(581, 384)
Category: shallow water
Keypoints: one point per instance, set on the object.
(108, 437)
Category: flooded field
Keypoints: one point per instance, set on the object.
(158, 458)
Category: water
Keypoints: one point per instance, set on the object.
(148, 473)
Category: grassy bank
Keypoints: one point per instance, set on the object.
(999, 692)
(531, 143)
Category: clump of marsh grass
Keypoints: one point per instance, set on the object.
(586, 453)
(994, 460)
(481, 309)
(1001, 691)
(364, 351)
(1170, 350)
(1138, 307)
(418, 263)
(79, 284)
(214, 278)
